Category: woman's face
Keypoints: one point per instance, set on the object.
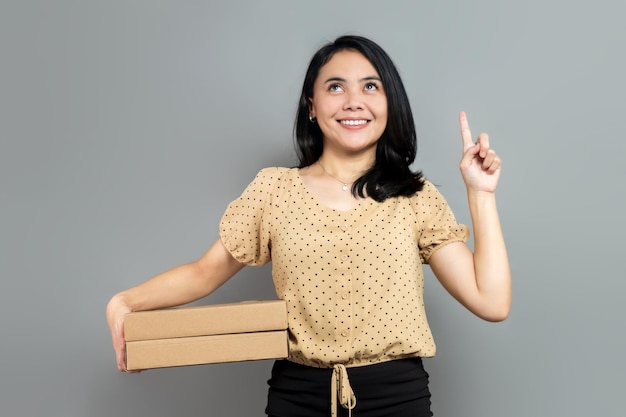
(349, 103)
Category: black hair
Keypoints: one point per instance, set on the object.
(391, 175)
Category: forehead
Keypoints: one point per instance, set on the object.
(347, 64)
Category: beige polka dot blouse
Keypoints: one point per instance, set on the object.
(352, 280)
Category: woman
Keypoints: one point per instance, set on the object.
(347, 233)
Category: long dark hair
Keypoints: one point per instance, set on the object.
(391, 175)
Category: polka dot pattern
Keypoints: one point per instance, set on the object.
(352, 280)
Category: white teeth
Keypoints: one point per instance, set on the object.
(353, 122)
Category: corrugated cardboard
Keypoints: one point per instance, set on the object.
(160, 353)
(245, 317)
(206, 334)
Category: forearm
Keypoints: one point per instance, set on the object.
(183, 284)
(491, 265)
(180, 285)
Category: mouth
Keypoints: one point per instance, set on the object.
(354, 122)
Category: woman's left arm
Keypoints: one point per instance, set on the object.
(481, 280)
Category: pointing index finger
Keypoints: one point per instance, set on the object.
(466, 133)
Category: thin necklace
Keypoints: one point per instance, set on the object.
(345, 185)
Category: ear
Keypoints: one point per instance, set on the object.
(311, 108)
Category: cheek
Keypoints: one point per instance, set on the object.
(326, 108)
(381, 113)
(381, 106)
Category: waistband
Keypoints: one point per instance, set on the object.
(398, 381)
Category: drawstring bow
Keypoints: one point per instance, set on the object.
(340, 386)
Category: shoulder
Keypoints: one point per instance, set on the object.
(266, 185)
(428, 192)
(269, 178)
(273, 172)
(428, 200)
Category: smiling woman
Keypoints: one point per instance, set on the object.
(349, 264)
(350, 106)
(356, 82)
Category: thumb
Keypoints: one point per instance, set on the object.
(468, 155)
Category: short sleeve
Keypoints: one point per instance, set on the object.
(438, 224)
(245, 225)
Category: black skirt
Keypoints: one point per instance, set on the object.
(397, 388)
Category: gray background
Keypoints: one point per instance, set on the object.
(126, 127)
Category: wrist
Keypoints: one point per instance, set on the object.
(119, 302)
(482, 206)
(480, 195)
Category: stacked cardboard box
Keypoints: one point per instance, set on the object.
(208, 334)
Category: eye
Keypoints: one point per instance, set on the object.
(371, 86)
(335, 87)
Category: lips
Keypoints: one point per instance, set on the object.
(352, 122)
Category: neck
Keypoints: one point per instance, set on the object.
(344, 170)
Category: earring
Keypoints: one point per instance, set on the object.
(312, 119)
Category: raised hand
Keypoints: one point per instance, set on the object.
(480, 165)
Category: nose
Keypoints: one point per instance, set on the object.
(354, 101)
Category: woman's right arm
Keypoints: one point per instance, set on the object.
(180, 285)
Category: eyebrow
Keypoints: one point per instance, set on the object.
(343, 80)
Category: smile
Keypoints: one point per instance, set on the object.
(353, 122)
